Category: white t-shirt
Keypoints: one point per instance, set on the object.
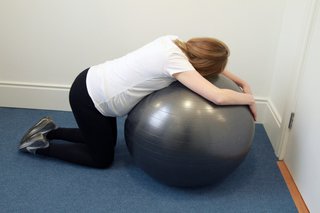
(116, 86)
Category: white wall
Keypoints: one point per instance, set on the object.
(44, 44)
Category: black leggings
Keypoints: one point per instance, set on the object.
(94, 141)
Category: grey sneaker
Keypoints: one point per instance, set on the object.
(43, 126)
(35, 142)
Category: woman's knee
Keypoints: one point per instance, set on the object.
(103, 160)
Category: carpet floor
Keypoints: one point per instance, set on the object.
(39, 184)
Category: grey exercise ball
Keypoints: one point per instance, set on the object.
(183, 140)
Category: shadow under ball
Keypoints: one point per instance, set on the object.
(184, 140)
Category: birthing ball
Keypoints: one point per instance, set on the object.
(181, 139)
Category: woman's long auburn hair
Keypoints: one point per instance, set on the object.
(209, 56)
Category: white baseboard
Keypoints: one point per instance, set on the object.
(55, 97)
(269, 117)
(34, 96)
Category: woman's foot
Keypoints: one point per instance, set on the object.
(44, 126)
(33, 143)
(35, 137)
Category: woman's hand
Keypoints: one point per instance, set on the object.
(246, 89)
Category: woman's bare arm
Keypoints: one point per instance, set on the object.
(245, 88)
(194, 81)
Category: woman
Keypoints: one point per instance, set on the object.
(101, 93)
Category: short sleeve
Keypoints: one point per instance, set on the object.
(177, 61)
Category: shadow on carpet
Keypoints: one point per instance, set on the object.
(38, 184)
